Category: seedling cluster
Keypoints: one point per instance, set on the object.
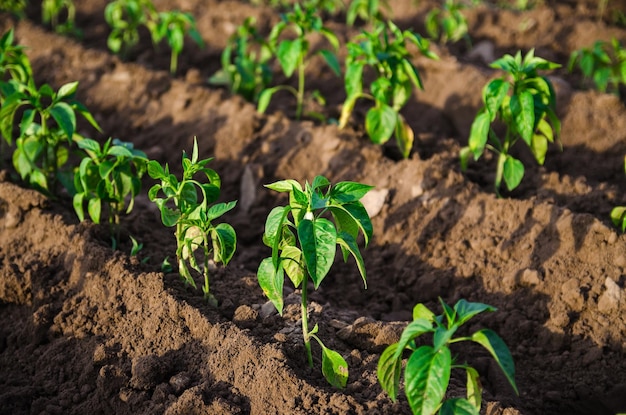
(40, 124)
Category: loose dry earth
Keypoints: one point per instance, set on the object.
(85, 329)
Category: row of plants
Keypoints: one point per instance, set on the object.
(303, 235)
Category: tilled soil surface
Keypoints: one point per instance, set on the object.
(84, 329)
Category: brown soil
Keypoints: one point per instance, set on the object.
(85, 329)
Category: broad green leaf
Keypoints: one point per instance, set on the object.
(464, 155)
(38, 178)
(265, 97)
(169, 217)
(67, 90)
(347, 243)
(523, 111)
(64, 115)
(349, 215)
(284, 185)
(426, 378)
(458, 406)
(120, 151)
(500, 352)
(271, 281)
(291, 260)
(493, 95)
(77, 202)
(94, 207)
(414, 329)
(273, 226)
(474, 390)
(90, 145)
(513, 172)
(618, 216)
(346, 192)
(465, 310)
(155, 170)
(319, 181)
(442, 336)
(404, 136)
(318, 240)
(539, 147)
(380, 123)
(224, 243)
(353, 79)
(219, 209)
(334, 368)
(389, 371)
(479, 133)
(288, 55)
(331, 61)
(420, 311)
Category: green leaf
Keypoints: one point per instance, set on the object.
(426, 376)
(353, 214)
(414, 329)
(479, 134)
(618, 216)
(539, 147)
(318, 240)
(224, 243)
(404, 136)
(120, 151)
(77, 202)
(219, 209)
(353, 79)
(458, 406)
(271, 281)
(169, 217)
(155, 170)
(331, 61)
(284, 185)
(94, 207)
(334, 368)
(389, 371)
(288, 55)
(500, 352)
(64, 115)
(493, 95)
(274, 224)
(380, 123)
(89, 145)
(465, 310)
(67, 90)
(346, 192)
(420, 311)
(291, 260)
(347, 243)
(474, 390)
(464, 155)
(523, 110)
(513, 172)
(265, 97)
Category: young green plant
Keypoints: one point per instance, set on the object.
(125, 17)
(47, 130)
(448, 23)
(245, 63)
(15, 69)
(293, 54)
(385, 50)
(525, 102)
(304, 243)
(189, 205)
(51, 12)
(428, 369)
(604, 63)
(366, 10)
(618, 214)
(109, 175)
(173, 26)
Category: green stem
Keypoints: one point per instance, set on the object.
(305, 324)
(300, 95)
(173, 62)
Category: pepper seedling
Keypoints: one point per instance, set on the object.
(245, 63)
(293, 54)
(304, 247)
(366, 10)
(51, 10)
(428, 369)
(42, 147)
(448, 22)
(173, 26)
(604, 63)
(190, 206)
(526, 103)
(109, 175)
(125, 17)
(385, 50)
(14, 65)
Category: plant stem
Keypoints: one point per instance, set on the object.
(173, 62)
(305, 324)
